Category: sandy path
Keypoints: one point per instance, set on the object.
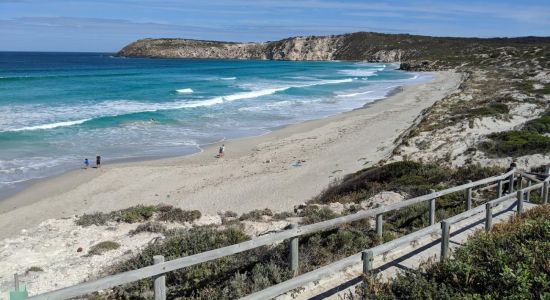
(243, 180)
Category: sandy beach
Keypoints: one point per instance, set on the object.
(257, 172)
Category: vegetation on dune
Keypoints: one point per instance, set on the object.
(103, 247)
(492, 109)
(256, 215)
(510, 262)
(531, 139)
(412, 178)
(139, 213)
(241, 274)
(170, 214)
(152, 227)
(540, 125)
(516, 143)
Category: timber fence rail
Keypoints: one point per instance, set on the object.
(161, 267)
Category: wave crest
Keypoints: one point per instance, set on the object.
(185, 91)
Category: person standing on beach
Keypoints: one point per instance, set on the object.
(222, 151)
(98, 161)
(86, 163)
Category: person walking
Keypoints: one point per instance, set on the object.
(222, 151)
(98, 161)
(86, 163)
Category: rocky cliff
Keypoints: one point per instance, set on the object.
(419, 52)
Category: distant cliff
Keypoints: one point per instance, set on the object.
(419, 52)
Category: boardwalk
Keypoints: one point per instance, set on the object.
(406, 257)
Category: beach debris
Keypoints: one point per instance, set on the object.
(297, 164)
(79, 249)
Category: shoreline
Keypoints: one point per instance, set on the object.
(4, 195)
(29, 183)
(257, 171)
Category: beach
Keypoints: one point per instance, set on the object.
(256, 172)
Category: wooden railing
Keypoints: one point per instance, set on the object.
(160, 267)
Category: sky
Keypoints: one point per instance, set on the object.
(108, 25)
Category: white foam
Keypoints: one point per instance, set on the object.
(360, 72)
(122, 107)
(254, 94)
(353, 94)
(184, 91)
(50, 126)
(228, 78)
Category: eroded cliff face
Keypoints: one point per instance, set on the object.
(181, 48)
(305, 48)
(299, 48)
(417, 52)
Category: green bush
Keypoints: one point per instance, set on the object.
(103, 247)
(511, 262)
(153, 227)
(492, 109)
(539, 125)
(256, 215)
(409, 177)
(179, 215)
(134, 214)
(313, 214)
(97, 219)
(34, 269)
(516, 143)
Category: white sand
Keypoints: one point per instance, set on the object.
(241, 181)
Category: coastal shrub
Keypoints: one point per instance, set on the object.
(409, 177)
(179, 215)
(133, 214)
(516, 143)
(283, 215)
(97, 219)
(539, 125)
(153, 227)
(238, 275)
(256, 215)
(510, 262)
(34, 269)
(313, 214)
(492, 109)
(103, 247)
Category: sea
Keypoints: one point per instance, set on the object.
(56, 109)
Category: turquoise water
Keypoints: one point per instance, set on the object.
(58, 108)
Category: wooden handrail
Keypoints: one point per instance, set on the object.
(179, 263)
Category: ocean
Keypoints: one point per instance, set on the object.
(56, 109)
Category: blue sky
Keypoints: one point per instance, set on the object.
(104, 25)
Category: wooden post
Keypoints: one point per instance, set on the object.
(294, 253)
(159, 281)
(527, 196)
(368, 261)
(432, 211)
(520, 202)
(488, 216)
(445, 235)
(379, 226)
(545, 192)
(16, 279)
(520, 182)
(511, 184)
(499, 189)
(468, 197)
